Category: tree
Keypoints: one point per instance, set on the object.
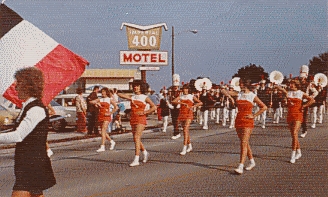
(319, 64)
(252, 72)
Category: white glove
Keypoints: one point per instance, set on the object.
(170, 106)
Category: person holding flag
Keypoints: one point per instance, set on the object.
(33, 170)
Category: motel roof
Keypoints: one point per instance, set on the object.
(109, 73)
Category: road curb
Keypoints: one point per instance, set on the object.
(82, 138)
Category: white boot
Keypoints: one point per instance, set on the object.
(101, 149)
(146, 155)
(184, 150)
(189, 149)
(112, 145)
(298, 154)
(251, 165)
(240, 169)
(135, 161)
(293, 158)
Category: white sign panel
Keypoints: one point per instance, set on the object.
(158, 58)
(148, 68)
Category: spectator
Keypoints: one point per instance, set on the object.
(155, 99)
(81, 111)
(92, 111)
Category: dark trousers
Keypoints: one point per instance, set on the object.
(174, 116)
(305, 116)
(92, 123)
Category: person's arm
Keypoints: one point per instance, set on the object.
(309, 99)
(283, 90)
(93, 102)
(199, 103)
(262, 106)
(51, 110)
(115, 106)
(32, 118)
(229, 94)
(121, 95)
(152, 107)
(176, 101)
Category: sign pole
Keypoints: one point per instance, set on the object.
(172, 53)
(143, 75)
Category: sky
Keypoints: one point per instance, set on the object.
(277, 35)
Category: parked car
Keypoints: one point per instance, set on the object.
(7, 119)
(125, 108)
(67, 101)
(59, 121)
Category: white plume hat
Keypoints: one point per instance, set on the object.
(176, 80)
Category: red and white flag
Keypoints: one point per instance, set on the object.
(24, 45)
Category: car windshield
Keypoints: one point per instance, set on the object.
(2, 108)
(54, 103)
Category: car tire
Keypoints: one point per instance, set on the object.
(58, 125)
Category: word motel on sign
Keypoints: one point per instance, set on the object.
(146, 57)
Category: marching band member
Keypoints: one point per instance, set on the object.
(263, 95)
(276, 100)
(186, 115)
(313, 107)
(138, 117)
(232, 109)
(320, 100)
(217, 97)
(174, 108)
(305, 87)
(244, 123)
(212, 108)
(295, 115)
(165, 112)
(208, 102)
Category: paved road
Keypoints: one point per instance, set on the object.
(207, 171)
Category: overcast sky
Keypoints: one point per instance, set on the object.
(278, 35)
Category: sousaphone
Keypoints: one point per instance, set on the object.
(235, 83)
(203, 83)
(276, 77)
(320, 79)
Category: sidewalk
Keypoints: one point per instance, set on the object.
(71, 135)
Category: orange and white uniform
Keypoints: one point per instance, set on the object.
(186, 112)
(105, 108)
(245, 107)
(138, 104)
(294, 104)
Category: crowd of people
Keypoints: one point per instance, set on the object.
(242, 107)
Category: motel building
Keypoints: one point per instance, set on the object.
(110, 78)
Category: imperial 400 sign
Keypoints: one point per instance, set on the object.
(144, 37)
